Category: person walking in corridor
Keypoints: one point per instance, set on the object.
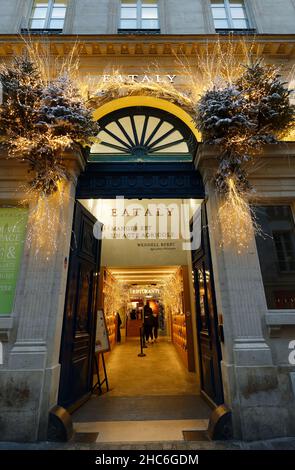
(148, 322)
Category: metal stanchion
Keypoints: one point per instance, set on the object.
(144, 345)
(141, 334)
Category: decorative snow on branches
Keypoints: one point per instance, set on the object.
(253, 110)
(39, 120)
(42, 116)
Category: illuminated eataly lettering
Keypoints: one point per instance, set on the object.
(136, 78)
(134, 212)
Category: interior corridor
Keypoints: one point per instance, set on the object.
(161, 372)
(145, 278)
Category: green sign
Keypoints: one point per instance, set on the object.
(13, 223)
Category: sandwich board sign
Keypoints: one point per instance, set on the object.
(102, 343)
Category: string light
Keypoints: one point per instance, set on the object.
(119, 86)
(38, 136)
(44, 115)
(115, 295)
(47, 225)
(172, 293)
(237, 219)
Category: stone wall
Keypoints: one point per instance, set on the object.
(257, 377)
(29, 376)
(185, 17)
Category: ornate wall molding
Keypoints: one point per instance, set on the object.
(269, 46)
(140, 181)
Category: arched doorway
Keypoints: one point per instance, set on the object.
(144, 154)
(142, 133)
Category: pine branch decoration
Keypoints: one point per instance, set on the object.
(253, 110)
(40, 119)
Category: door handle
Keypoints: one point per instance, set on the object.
(221, 333)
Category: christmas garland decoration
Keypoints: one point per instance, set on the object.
(39, 120)
(240, 118)
(42, 117)
(247, 107)
(120, 86)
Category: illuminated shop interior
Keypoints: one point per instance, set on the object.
(135, 270)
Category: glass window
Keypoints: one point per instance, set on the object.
(149, 24)
(276, 251)
(237, 13)
(229, 14)
(58, 12)
(219, 13)
(56, 24)
(128, 13)
(128, 24)
(37, 24)
(48, 15)
(240, 24)
(139, 14)
(135, 135)
(221, 24)
(149, 13)
(40, 12)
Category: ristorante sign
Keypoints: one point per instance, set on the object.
(144, 291)
(140, 78)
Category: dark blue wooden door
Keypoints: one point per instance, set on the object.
(207, 319)
(78, 337)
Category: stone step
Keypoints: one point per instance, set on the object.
(141, 431)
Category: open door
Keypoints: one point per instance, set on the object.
(78, 335)
(207, 319)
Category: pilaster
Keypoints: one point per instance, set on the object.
(30, 381)
(250, 380)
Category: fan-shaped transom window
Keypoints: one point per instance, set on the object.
(143, 134)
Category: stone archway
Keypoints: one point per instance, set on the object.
(148, 101)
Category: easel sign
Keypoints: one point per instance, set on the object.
(102, 343)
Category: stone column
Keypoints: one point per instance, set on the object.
(249, 376)
(32, 376)
(241, 278)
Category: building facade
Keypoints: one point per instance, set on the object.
(250, 368)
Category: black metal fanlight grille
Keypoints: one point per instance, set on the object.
(143, 132)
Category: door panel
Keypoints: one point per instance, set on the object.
(78, 335)
(207, 322)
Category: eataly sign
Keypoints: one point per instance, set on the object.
(137, 78)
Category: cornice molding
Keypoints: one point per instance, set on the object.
(274, 154)
(267, 45)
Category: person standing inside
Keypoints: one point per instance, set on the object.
(133, 314)
(118, 326)
(155, 326)
(148, 322)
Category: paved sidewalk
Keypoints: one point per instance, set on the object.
(273, 444)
